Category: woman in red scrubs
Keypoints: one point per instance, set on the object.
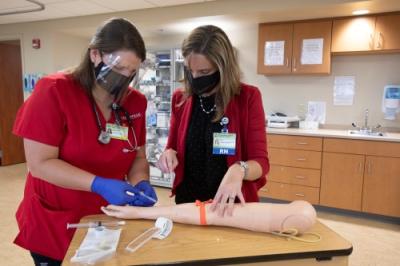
(84, 135)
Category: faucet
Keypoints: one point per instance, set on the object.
(366, 128)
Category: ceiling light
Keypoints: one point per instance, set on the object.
(39, 8)
(360, 12)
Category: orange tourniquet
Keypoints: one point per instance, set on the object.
(202, 209)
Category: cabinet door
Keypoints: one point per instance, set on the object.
(353, 34)
(381, 191)
(387, 33)
(275, 33)
(342, 180)
(308, 40)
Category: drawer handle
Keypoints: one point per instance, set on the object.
(300, 159)
(302, 143)
(299, 177)
(299, 195)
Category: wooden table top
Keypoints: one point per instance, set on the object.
(213, 245)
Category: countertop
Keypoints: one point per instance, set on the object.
(332, 133)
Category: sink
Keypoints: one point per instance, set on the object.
(366, 133)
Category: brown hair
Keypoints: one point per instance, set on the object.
(114, 34)
(214, 44)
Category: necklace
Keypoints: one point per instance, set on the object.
(204, 110)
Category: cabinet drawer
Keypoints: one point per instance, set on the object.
(296, 158)
(294, 142)
(293, 175)
(377, 148)
(288, 192)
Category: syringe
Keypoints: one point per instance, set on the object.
(143, 195)
(95, 224)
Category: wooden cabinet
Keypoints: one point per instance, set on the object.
(387, 33)
(353, 34)
(381, 190)
(295, 168)
(366, 34)
(342, 180)
(275, 33)
(361, 175)
(358, 175)
(295, 48)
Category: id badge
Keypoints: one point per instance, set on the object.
(224, 143)
(117, 132)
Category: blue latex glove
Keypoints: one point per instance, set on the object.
(145, 188)
(114, 191)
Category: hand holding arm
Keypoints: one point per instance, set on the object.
(228, 190)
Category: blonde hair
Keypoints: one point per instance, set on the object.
(214, 44)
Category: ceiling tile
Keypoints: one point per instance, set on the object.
(159, 3)
(123, 5)
(79, 7)
(17, 5)
(48, 13)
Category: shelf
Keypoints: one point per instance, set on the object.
(159, 85)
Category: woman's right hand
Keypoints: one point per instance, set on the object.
(168, 161)
(114, 191)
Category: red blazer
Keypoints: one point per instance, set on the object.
(246, 119)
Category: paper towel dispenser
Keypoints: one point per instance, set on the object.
(391, 101)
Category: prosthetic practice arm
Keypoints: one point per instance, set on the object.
(260, 217)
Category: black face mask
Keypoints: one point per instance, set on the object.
(202, 84)
(113, 82)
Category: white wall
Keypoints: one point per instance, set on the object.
(60, 49)
(57, 51)
(286, 93)
(68, 50)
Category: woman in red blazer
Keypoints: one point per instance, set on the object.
(217, 141)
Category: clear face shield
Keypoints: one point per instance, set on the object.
(111, 76)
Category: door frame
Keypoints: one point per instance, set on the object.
(20, 39)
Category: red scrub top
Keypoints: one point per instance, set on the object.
(59, 113)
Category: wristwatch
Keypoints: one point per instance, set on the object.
(245, 167)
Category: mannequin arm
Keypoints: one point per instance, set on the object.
(261, 217)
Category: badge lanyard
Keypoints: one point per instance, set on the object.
(224, 143)
(116, 131)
